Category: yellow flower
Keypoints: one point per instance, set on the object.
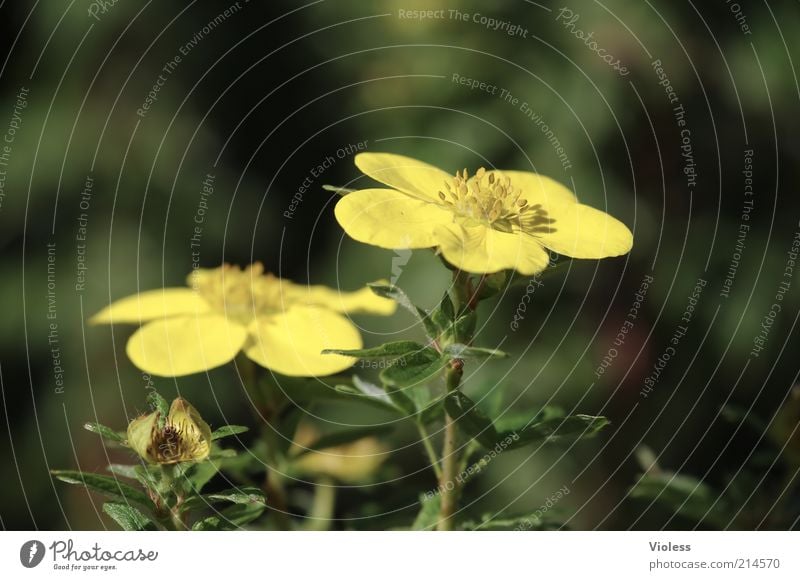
(350, 463)
(491, 221)
(184, 436)
(278, 324)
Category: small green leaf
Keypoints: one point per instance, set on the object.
(470, 419)
(345, 436)
(231, 517)
(462, 329)
(514, 523)
(128, 517)
(459, 350)
(244, 495)
(445, 314)
(558, 429)
(109, 486)
(227, 431)
(394, 293)
(105, 432)
(414, 369)
(428, 515)
(158, 403)
(199, 474)
(336, 189)
(391, 350)
(684, 495)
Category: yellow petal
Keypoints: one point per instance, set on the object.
(195, 434)
(291, 343)
(482, 250)
(390, 219)
(580, 231)
(150, 305)
(538, 188)
(364, 300)
(404, 173)
(140, 435)
(185, 345)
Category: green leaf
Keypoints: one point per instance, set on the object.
(199, 474)
(414, 369)
(158, 403)
(336, 189)
(391, 350)
(558, 429)
(105, 432)
(434, 411)
(396, 294)
(345, 436)
(231, 517)
(227, 431)
(514, 523)
(470, 419)
(244, 495)
(445, 314)
(109, 486)
(462, 329)
(128, 517)
(684, 495)
(428, 515)
(459, 350)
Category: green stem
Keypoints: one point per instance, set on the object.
(323, 507)
(448, 482)
(426, 441)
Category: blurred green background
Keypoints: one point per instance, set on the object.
(263, 95)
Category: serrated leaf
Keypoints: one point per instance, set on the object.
(244, 495)
(470, 419)
(227, 431)
(105, 432)
(390, 350)
(345, 436)
(428, 515)
(558, 429)
(231, 518)
(108, 486)
(459, 350)
(414, 369)
(128, 517)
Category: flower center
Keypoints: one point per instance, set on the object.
(175, 443)
(239, 294)
(489, 198)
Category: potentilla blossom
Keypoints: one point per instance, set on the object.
(276, 323)
(482, 223)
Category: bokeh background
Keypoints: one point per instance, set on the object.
(264, 95)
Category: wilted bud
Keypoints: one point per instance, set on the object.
(183, 436)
